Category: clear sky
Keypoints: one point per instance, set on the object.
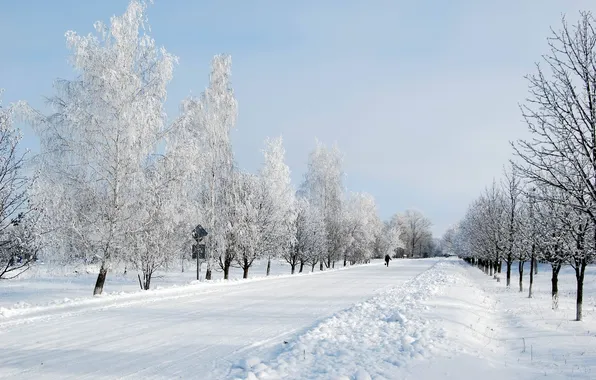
(421, 96)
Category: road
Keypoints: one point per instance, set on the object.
(197, 334)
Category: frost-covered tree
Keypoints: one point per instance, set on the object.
(18, 243)
(449, 240)
(202, 148)
(361, 226)
(156, 239)
(323, 187)
(392, 232)
(106, 122)
(309, 226)
(277, 204)
(512, 190)
(415, 231)
(554, 219)
(560, 113)
(249, 221)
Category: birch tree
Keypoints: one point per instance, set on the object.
(361, 227)
(106, 123)
(248, 230)
(156, 238)
(278, 202)
(207, 157)
(310, 236)
(415, 231)
(323, 187)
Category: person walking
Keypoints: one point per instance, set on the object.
(387, 258)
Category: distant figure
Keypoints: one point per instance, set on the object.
(387, 258)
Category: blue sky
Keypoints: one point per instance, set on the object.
(421, 96)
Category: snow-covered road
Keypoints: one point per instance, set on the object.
(199, 333)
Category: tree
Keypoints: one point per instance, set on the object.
(415, 231)
(18, 243)
(106, 123)
(449, 240)
(554, 219)
(211, 119)
(323, 187)
(387, 239)
(278, 202)
(309, 242)
(361, 225)
(158, 233)
(560, 113)
(512, 190)
(249, 221)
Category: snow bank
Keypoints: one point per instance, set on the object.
(372, 339)
(72, 292)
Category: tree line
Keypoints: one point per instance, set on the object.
(545, 207)
(116, 182)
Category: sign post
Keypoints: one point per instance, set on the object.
(198, 249)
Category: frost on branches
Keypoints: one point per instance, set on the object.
(119, 185)
(279, 231)
(107, 124)
(18, 234)
(323, 187)
(204, 153)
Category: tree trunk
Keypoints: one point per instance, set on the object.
(269, 266)
(490, 268)
(301, 266)
(226, 271)
(345, 260)
(521, 276)
(147, 281)
(333, 264)
(509, 272)
(208, 274)
(320, 266)
(101, 279)
(312, 269)
(500, 266)
(532, 260)
(293, 266)
(580, 270)
(245, 272)
(535, 266)
(555, 284)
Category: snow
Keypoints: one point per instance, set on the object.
(451, 321)
(198, 332)
(417, 319)
(48, 286)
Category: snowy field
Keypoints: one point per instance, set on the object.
(45, 285)
(417, 319)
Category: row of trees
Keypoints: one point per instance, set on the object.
(116, 182)
(545, 208)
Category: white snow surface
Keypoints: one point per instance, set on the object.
(195, 331)
(417, 319)
(373, 339)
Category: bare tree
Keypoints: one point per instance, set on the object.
(17, 233)
(512, 190)
(561, 116)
